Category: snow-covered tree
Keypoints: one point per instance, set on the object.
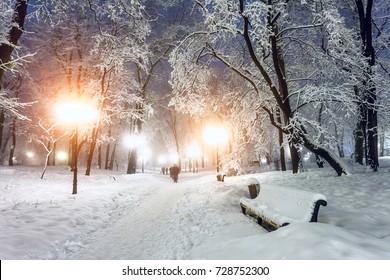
(12, 16)
(90, 49)
(295, 55)
(371, 23)
(170, 21)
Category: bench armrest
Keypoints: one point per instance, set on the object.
(316, 209)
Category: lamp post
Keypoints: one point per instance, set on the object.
(215, 135)
(75, 113)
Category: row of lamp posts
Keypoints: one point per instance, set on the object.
(78, 113)
(213, 135)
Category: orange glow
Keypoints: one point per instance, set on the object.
(215, 135)
(75, 112)
(30, 154)
(62, 156)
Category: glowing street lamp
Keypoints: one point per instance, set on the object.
(62, 156)
(75, 113)
(30, 154)
(215, 135)
(132, 141)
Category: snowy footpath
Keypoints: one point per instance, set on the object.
(146, 216)
(169, 223)
(150, 229)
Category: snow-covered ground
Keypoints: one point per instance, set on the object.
(147, 216)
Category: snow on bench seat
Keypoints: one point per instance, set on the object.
(280, 206)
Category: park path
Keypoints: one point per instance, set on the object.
(147, 231)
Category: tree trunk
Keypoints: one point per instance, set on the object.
(132, 162)
(107, 160)
(48, 148)
(281, 151)
(294, 158)
(90, 158)
(281, 144)
(359, 135)
(319, 160)
(100, 156)
(340, 141)
(325, 154)
(20, 12)
(336, 165)
(4, 146)
(2, 121)
(112, 159)
(70, 154)
(13, 146)
(372, 136)
(53, 155)
(74, 153)
(369, 93)
(382, 143)
(91, 150)
(268, 158)
(46, 163)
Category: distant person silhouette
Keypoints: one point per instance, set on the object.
(174, 171)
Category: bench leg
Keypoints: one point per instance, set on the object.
(243, 209)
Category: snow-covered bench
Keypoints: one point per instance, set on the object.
(276, 206)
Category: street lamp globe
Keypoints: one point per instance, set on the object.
(215, 135)
(75, 112)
